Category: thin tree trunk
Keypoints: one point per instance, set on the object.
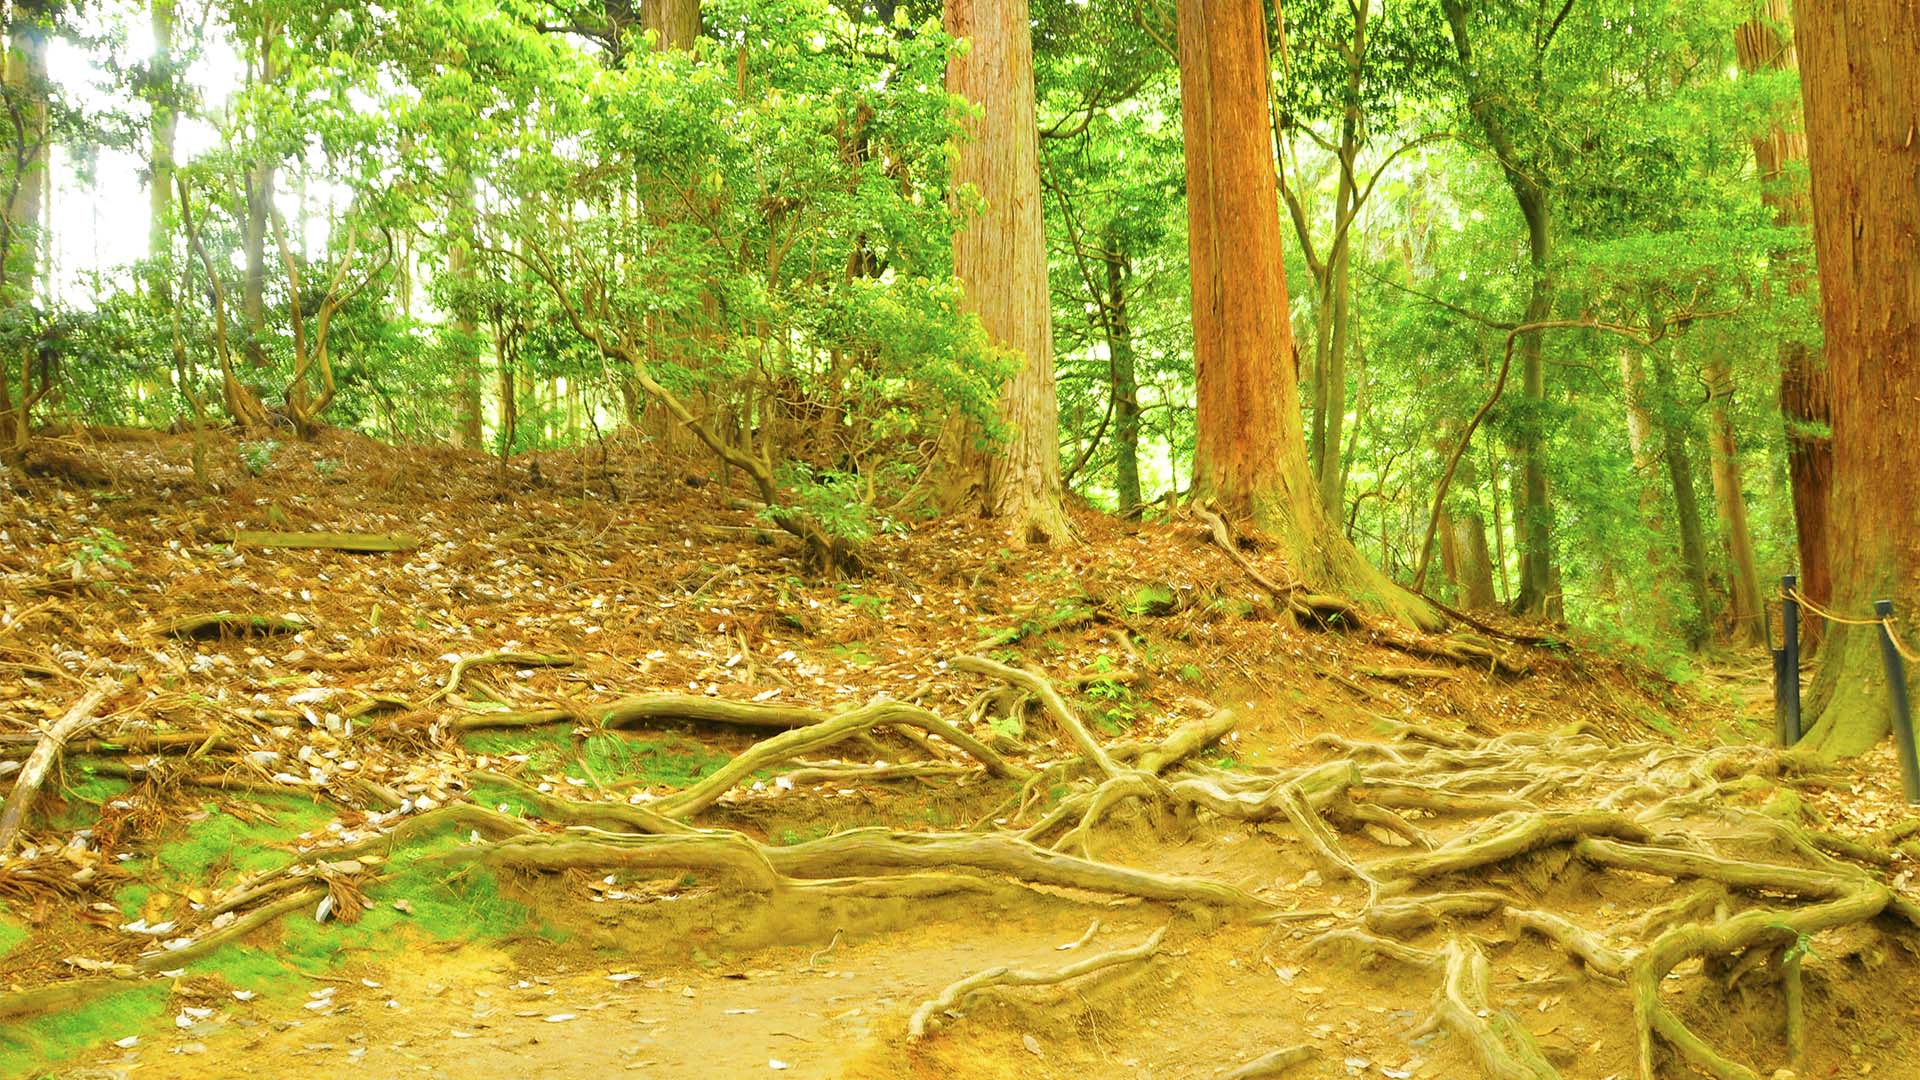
(1126, 384)
(468, 377)
(1532, 513)
(1000, 255)
(1499, 526)
(161, 126)
(1762, 44)
(1333, 377)
(1863, 136)
(1677, 442)
(258, 182)
(1249, 450)
(1730, 495)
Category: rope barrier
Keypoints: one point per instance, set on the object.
(1898, 646)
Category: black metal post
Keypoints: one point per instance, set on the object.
(1902, 707)
(1789, 663)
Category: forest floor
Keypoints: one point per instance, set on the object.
(592, 776)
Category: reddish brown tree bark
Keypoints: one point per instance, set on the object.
(676, 21)
(1762, 44)
(1863, 140)
(1000, 256)
(1250, 454)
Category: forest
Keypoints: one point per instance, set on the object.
(990, 538)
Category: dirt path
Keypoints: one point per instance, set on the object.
(481, 1013)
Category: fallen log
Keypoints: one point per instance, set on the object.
(352, 543)
(34, 772)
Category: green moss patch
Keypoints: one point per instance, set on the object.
(81, 795)
(11, 931)
(546, 747)
(658, 758)
(33, 1048)
(460, 903)
(219, 847)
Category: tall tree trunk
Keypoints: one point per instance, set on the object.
(24, 243)
(1863, 137)
(1499, 526)
(161, 125)
(1333, 377)
(1729, 494)
(468, 378)
(471, 430)
(1532, 513)
(676, 21)
(1126, 382)
(1472, 573)
(1805, 407)
(1000, 255)
(258, 184)
(1677, 440)
(1250, 454)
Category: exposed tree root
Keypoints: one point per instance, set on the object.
(517, 659)
(1501, 1044)
(1316, 609)
(1273, 1064)
(791, 744)
(57, 997)
(613, 816)
(231, 624)
(1056, 706)
(926, 1018)
(351, 543)
(1458, 844)
(878, 849)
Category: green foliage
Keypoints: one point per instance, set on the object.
(1151, 600)
(101, 553)
(258, 456)
(540, 236)
(1114, 706)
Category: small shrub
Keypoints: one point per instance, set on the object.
(258, 456)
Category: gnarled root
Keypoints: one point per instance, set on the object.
(926, 1017)
(1501, 1044)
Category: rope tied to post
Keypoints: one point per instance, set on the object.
(1887, 622)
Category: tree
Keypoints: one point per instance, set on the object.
(162, 91)
(22, 243)
(1355, 67)
(1250, 454)
(1000, 255)
(1762, 46)
(1491, 110)
(1862, 101)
